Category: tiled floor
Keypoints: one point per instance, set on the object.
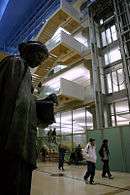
(46, 181)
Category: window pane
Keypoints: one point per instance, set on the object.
(115, 84)
(80, 139)
(66, 122)
(114, 33)
(67, 140)
(57, 124)
(122, 112)
(122, 120)
(114, 55)
(79, 125)
(112, 109)
(106, 59)
(89, 120)
(108, 34)
(121, 107)
(104, 42)
(121, 79)
(113, 121)
(109, 83)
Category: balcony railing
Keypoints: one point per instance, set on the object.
(68, 41)
(69, 89)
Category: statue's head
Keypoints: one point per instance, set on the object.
(33, 52)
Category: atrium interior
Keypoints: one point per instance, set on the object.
(88, 68)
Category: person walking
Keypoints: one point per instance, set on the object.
(104, 154)
(62, 151)
(90, 156)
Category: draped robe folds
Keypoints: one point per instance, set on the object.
(17, 128)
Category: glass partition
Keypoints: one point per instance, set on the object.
(80, 139)
(66, 122)
(120, 113)
(79, 122)
(115, 81)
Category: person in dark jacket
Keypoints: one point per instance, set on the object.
(62, 151)
(78, 154)
(54, 135)
(18, 119)
(104, 154)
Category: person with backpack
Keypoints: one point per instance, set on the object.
(104, 154)
(90, 156)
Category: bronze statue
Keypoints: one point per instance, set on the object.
(18, 119)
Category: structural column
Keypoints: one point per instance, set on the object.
(96, 73)
(122, 13)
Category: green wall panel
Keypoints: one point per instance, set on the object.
(126, 146)
(116, 158)
(119, 145)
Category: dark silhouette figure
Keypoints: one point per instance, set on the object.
(18, 120)
(43, 153)
(78, 154)
(46, 104)
(62, 151)
(72, 157)
(54, 135)
(104, 154)
(49, 135)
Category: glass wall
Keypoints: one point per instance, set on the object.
(79, 123)
(120, 114)
(72, 122)
(109, 35)
(115, 81)
(112, 55)
(80, 139)
(71, 127)
(66, 123)
(113, 72)
(109, 43)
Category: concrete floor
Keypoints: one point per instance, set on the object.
(46, 181)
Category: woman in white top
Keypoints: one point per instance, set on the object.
(90, 153)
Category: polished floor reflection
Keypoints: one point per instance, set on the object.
(47, 180)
